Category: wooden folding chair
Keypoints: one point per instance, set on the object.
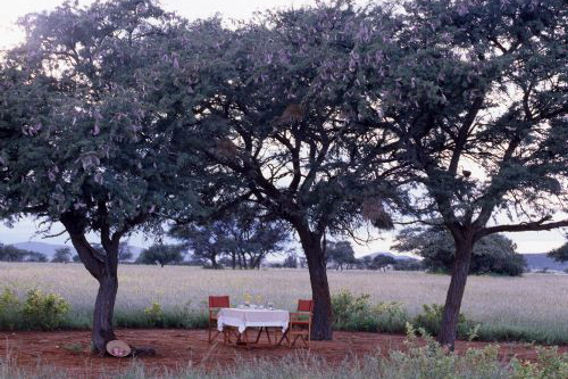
(215, 304)
(300, 327)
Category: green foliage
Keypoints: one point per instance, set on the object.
(340, 253)
(356, 313)
(9, 253)
(241, 238)
(10, 309)
(161, 254)
(492, 254)
(154, 313)
(44, 311)
(62, 255)
(430, 320)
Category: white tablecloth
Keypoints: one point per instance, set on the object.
(248, 317)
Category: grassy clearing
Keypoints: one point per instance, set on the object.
(528, 308)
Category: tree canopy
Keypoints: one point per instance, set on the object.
(62, 255)
(87, 130)
(244, 237)
(9, 253)
(492, 254)
(475, 96)
(161, 254)
(280, 120)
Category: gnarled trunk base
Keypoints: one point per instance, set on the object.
(103, 330)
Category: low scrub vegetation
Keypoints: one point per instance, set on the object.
(540, 318)
(38, 311)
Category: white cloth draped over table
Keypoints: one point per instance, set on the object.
(252, 318)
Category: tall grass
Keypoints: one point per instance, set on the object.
(529, 308)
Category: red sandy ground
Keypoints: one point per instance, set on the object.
(178, 349)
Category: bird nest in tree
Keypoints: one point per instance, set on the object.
(373, 210)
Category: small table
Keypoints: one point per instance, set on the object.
(243, 318)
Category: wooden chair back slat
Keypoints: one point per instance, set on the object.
(219, 302)
(305, 305)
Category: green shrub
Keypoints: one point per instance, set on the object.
(390, 317)
(155, 314)
(347, 307)
(44, 311)
(431, 319)
(356, 314)
(10, 310)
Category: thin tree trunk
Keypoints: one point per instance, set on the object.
(323, 314)
(460, 271)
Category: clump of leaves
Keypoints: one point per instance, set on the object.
(10, 308)
(431, 319)
(154, 313)
(356, 313)
(44, 311)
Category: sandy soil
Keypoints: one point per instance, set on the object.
(177, 349)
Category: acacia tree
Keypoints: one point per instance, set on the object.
(86, 130)
(243, 236)
(476, 93)
(62, 255)
(340, 253)
(278, 118)
(494, 253)
(161, 254)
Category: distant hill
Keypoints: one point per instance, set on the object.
(48, 249)
(536, 262)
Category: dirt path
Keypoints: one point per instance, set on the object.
(177, 349)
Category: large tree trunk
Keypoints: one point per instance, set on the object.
(460, 271)
(323, 314)
(104, 268)
(103, 331)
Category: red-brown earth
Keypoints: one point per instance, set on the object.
(177, 349)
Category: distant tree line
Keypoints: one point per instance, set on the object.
(9, 253)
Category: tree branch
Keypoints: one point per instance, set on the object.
(525, 227)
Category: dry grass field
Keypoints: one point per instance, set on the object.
(536, 301)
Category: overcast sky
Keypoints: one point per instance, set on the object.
(10, 34)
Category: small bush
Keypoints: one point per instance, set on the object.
(10, 310)
(390, 317)
(431, 319)
(356, 314)
(347, 307)
(155, 314)
(44, 311)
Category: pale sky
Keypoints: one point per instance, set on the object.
(10, 35)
